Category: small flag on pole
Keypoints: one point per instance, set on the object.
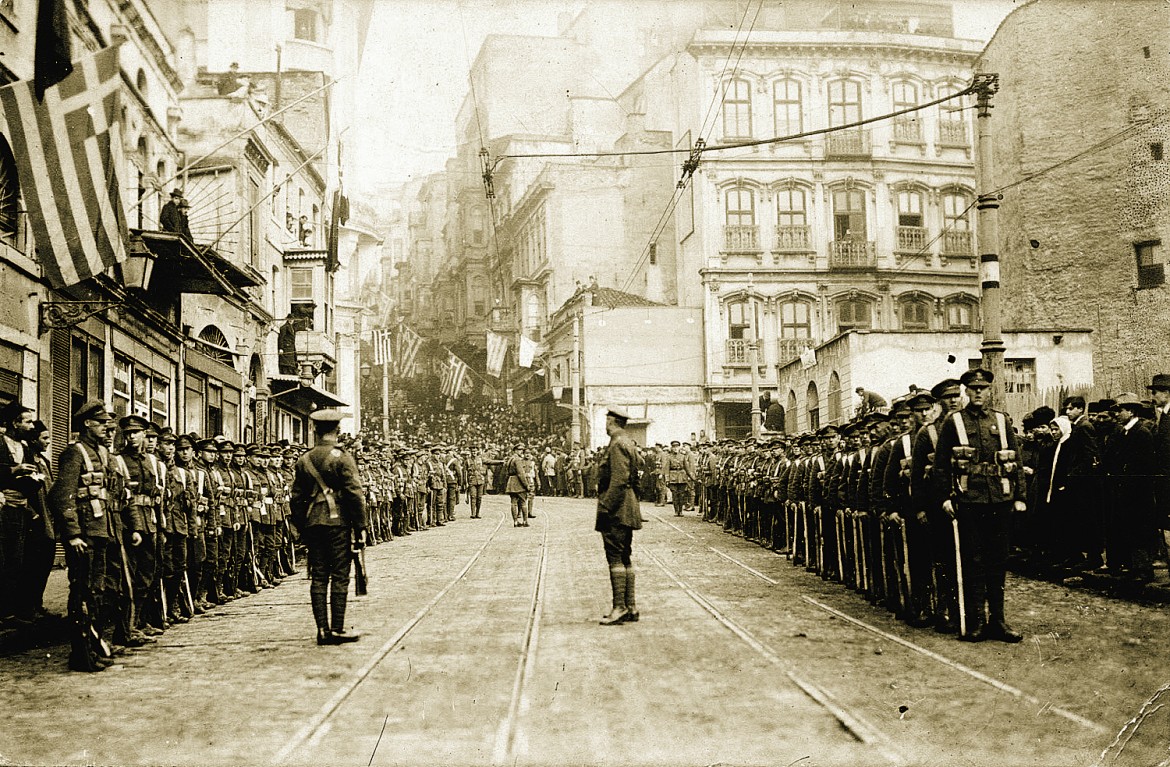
(454, 375)
(407, 352)
(527, 351)
(68, 150)
(382, 348)
(497, 349)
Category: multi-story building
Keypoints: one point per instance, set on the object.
(1079, 142)
(796, 241)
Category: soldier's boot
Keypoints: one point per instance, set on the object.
(632, 613)
(82, 656)
(997, 628)
(617, 582)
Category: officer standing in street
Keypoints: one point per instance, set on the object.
(676, 476)
(979, 475)
(619, 515)
(328, 508)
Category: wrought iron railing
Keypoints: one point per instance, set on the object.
(911, 239)
(958, 243)
(907, 130)
(789, 349)
(852, 254)
(739, 352)
(792, 239)
(741, 238)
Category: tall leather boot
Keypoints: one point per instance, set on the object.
(617, 582)
(997, 628)
(632, 614)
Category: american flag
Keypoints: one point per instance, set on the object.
(454, 375)
(382, 347)
(497, 349)
(68, 150)
(407, 352)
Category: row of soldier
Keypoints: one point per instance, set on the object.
(911, 508)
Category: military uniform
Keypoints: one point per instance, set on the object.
(619, 515)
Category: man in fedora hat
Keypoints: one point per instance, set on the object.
(978, 473)
(619, 515)
(1130, 468)
(168, 217)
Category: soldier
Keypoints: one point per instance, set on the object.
(476, 475)
(176, 517)
(328, 507)
(928, 497)
(675, 469)
(438, 485)
(618, 516)
(20, 481)
(140, 520)
(453, 472)
(978, 472)
(262, 544)
(214, 497)
(80, 504)
(241, 577)
(197, 517)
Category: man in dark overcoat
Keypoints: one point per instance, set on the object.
(619, 515)
(1130, 467)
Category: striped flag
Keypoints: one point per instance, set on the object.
(407, 352)
(497, 349)
(454, 376)
(382, 347)
(68, 151)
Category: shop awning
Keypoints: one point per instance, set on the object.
(302, 400)
(240, 276)
(180, 265)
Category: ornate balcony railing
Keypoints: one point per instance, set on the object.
(792, 239)
(907, 130)
(789, 349)
(911, 239)
(848, 143)
(739, 352)
(958, 243)
(852, 254)
(741, 238)
(952, 133)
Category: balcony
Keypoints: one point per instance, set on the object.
(315, 345)
(911, 239)
(907, 130)
(741, 239)
(852, 254)
(792, 239)
(958, 244)
(953, 133)
(789, 349)
(739, 353)
(847, 144)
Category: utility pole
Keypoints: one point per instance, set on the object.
(575, 381)
(753, 347)
(986, 85)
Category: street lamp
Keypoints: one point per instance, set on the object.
(366, 370)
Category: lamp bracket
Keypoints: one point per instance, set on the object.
(66, 314)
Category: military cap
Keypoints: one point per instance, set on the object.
(254, 449)
(674, 442)
(168, 436)
(946, 387)
(875, 418)
(327, 415)
(849, 429)
(900, 405)
(828, 431)
(920, 399)
(976, 377)
(291, 452)
(240, 449)
(132, 423)
(183, 441)
(151, 429)
(227, 446)
(207, 444)
(94, 410)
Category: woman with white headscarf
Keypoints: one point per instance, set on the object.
(1062, 536)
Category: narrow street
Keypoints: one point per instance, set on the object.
(482, 646)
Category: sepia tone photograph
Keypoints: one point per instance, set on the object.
(575, 383)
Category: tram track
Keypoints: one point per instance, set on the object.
(909, 645)
(319, 723)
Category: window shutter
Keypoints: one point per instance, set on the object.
(59, 348)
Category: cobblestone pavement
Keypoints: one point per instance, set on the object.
(481, 646)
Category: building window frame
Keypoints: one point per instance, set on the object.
(1151, 267)
(787, 106)
(737, 109)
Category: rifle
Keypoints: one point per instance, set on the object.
(360, 580)
(257, 576)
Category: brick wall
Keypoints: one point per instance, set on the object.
(1073, 77)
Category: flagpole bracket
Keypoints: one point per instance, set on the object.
(58, 315)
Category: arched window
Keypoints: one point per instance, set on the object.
(743, 319)
(478, 297)
(907, 128)
(814, 407)
(787, 106)
(849, 215)
(957, 224)
(9, 193)
(952, 125)
(737, 109)
(844, 102)
(790, 425)
(795, 320)
(914, 314)
(834, 398)
(961, 314)
(215, 344)
(854, 313)
(791, 219)
(532, 316)
(740, 211)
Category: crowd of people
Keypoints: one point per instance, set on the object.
(922, 506)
